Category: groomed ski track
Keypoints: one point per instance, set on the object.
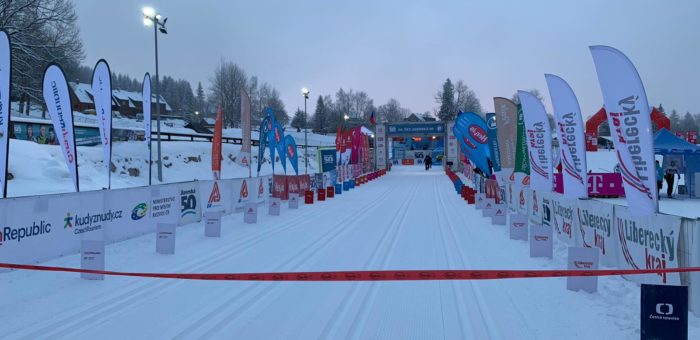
(409, 219)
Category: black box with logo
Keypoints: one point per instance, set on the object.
(664, 312)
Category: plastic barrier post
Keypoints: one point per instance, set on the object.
(212, 224)
(321, 195)
(165, 238)
(92, 257)
(338, 188)
(330, 191)
(309, 197)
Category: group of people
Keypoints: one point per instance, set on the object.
(43, 137)
(669, 174)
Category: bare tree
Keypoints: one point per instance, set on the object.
(42, 31)
(226, 85)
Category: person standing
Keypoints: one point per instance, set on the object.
(659, 178)
(671, 173)
(428, 162)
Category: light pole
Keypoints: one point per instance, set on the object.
(305, 92)
(152, 18)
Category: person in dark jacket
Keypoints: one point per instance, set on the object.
(428, 162)
(671, 173)
(659, 178)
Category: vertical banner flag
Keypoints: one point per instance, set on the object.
(278, 136)
(572, 140)
(338, 144)
(270, 115)
(539, 142)
(492, 132)
(522, 161)
(470, 130)
(506, 120)
(216, 146)
(102, 97)
(5, 68)
(262, 139)
(146, 96)
(356, 139)
(630, 127)
(58, 102)
(243, 158)
(291, 148)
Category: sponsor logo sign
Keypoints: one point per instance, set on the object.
(17, 234)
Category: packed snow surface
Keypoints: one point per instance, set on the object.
(409, 219)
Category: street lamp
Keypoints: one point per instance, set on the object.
(152, 18)
(305, 92)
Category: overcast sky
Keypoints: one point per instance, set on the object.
(406, 49)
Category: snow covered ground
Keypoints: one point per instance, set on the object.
(410, 219)
(40, 169)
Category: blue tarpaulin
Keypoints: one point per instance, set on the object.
(668, 144)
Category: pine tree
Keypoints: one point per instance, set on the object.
(298, 120)
(446, 99)
(320, 116)
(201, 100)
(688, 123)
(675, 120)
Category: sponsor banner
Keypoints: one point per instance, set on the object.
(5, 70)
(582, 259)
(522, 161)
(243, 158)
(595, 227)
(630, 127)
(494, 148)
(648, 242)
(452, 144)
(58, 102)
(506, 119)
(190, 207)
(216, 146)
(214, 196)
(263, 138)
(146, 95)
(518, 227)
(293, 184)
(664, 312)
(381, 146)
(534, 206)
(693, 137)
(165, 203)
(470, 130)
(572, 143)
(240, 193)
(279, 187)
(102, 97)
(304, 183)
(415, 129)
(564, 220)
(326, 159)
(539, 142)
(290, 147)
(263, 186)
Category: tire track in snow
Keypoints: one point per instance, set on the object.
(390, 236)
(255, 293)
(88, 315)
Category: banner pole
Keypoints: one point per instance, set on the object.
(9, 114)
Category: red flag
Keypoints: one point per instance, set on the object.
(338, 139)
(216, 146)
(371, 119)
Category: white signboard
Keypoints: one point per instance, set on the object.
(212, 224)
(499, 216)
(581, 258)
(518, 227)
(250, 214)
(595, 226)
(452, 144)
(480, 199)
(489, 207)
(273, 206)
(92, 257)
(648, 243)
(564, 218)
(165, 238)
(381, 146)
(293, 201)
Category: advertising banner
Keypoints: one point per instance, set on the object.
(507, 122)
(102, 97)
(243, 189)
(146, 95)
(595, 226)
(452, 144)
(58, 103)
(326, 159)
(494, 149)
(648, 242)
(216, 146)
(381, 146)
(243, 158)
(693, 137)
(539, 142)
(572, 142)
(279, 143)
(630, 126)
(291, 149)
(264, 184)
(190, 209)
(565, 221)
(5, 70)
(215, 195)
(470, 130)
(522, 161)
(263, 137)
(535, 206)
(293, 184)
(279, 187)
(304, 183)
